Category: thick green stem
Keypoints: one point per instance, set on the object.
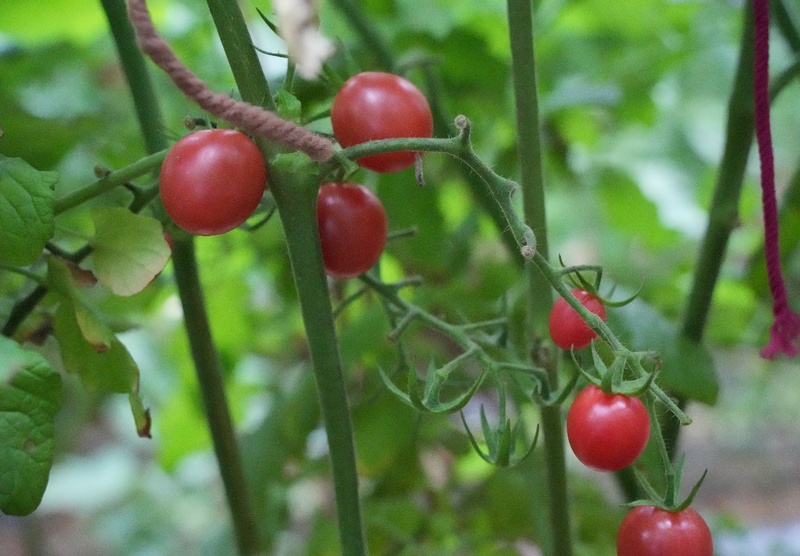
(148, 111)
(724, 213)
(241, 55)
(529, 154)
(295, 198)
(190, 291)
(212, 388)
(364, 27)
(297, 206)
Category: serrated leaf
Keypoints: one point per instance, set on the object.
(129, 250)
(113, 370)
(30, 396)
(26, 210)
(688, 369)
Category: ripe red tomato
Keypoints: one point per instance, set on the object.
(352, 228)
(650, 531)
(567, 329)
(607, 431)
(375, 105)
(212, 180)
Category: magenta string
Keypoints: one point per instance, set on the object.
(785, 330)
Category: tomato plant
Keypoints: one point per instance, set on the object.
(607, 431)
(651, 531)
(212, 180)
(376, 105)
(567, 329)
(352, 228)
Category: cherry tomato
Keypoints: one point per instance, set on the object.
(352, 228)
(650, 531)
(607, 431)
(375, 105)
(212, 180)
(567, 329)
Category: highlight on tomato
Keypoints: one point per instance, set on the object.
(212, 180)
(376, 105)
(567, 329)
(651, 531)
(607, 432)
(352, 228)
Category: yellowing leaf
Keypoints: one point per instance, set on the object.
(129, 250)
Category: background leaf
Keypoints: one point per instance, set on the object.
(26, 210)
(30, 396)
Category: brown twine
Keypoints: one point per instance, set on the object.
(249, 117)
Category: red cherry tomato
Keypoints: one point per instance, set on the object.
(375, 105)
(650, 531)
(567, 329)
(607, 431)
(352, 228)
(212, 180)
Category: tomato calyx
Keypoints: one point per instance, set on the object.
(670, 501)
(502, 440)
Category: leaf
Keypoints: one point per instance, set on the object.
(112, 370)
(89, 321)
(289, 107)
(129, 250)
(30, 396)
(26, 210)
(688, 368)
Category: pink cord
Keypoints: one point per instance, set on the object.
(251, 118)
(785, 330)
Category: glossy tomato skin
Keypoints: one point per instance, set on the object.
(352, 228)
(607, 432)
(650, 531)
(567, 329)
(375, 105)
(212, 180)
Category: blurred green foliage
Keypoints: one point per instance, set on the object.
(633, 97)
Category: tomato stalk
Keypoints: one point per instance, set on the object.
(295, 197)
(212, 389)
(203, 349)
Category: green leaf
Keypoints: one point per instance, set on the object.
(30, 396)
(688, 369)
(289, 107)
(129, 250)
(112, 370)
(89, 321)
(26, 210)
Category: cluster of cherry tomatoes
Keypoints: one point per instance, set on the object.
(213, 180)
(608, 432)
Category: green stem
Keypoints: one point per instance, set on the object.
(24, 272)
(145, 102)
(113, 180)
(529, 154)
(241, 55)
(297, 207)
(212, 388)
(190, 290)
(364, 27)
(724, 213)
(295, 198)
